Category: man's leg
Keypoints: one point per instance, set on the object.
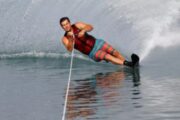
(109, 49)
(118, 55)
(113, 59)
(108, 53)
(102, 55)
(114, 56)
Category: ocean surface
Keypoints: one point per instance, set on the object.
(34, 65)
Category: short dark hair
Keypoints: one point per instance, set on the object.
(63, 19)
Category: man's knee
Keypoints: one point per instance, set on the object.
(115, 52)
(108, 57)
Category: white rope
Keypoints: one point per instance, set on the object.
(69, 80)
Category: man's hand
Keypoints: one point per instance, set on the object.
(70, 34)
(81, 33)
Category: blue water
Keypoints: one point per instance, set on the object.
(33, 88)
(34, 65)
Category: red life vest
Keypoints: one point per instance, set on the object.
(84, 44)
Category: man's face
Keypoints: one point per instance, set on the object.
(66, 25)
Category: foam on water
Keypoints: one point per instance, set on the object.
(34, 54)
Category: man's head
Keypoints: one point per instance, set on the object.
(65, 23)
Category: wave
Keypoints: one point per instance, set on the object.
(34, 54)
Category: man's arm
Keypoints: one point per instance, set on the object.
(84, 28)
(68, 44)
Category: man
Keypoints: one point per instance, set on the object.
(76, 36)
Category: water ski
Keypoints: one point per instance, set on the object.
(135, 60)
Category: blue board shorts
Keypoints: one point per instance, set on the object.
(100, 50)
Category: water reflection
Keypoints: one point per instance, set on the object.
(90, 97)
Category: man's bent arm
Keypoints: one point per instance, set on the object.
(84, 26)
(68, 44)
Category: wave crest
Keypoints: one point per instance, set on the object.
(34, 54)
